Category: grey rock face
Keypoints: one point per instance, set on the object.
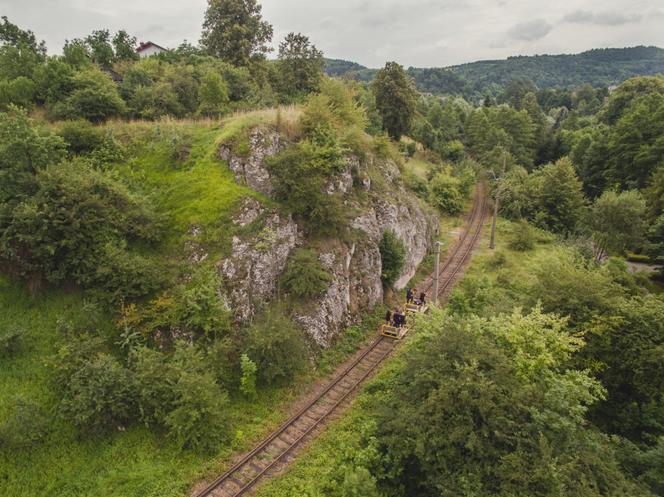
(256, 264)
(251, 169)
(254, 268)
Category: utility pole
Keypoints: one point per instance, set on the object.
(435, 281)
(496, 202)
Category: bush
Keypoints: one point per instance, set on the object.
(100, 395)
(276, 345)
(523, 237)
(393, 258)
(24, 149)
(201, 307)
(304, 276)
(225, 356)
(212, 95)
(472, 295)
(178, 392)
(10, 342)
(410, 149)
(19, 92)
(302, 173)
(124, 275)
(453, 150)
(198, 419)
(37, 239)
(81, 136)
(465, 173)
(417, 184)
(155, 378)
(570, 288)
(445, 193)
(27, 425)
(248, 379)
(95, 97)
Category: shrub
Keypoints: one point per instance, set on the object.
(523, 237)
(570, 288)
(248, 379)
(453, 150)
(304, 276)
(276, 345)
(201, 307)
(24, 150)
(301, 173)
(19, 92)
(155, 378)
(100, 395)
(10, 341)
(411, 148)
(446, 194)
(198, 419)
(212, 95)
(37, 238)
(95, 97)
(418, 184)
(81, 136)
(225, 356)
(27, 425)
(393, 258)
(177, 391)
(465, 173)
(471, 296)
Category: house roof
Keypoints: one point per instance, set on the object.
(148, 44)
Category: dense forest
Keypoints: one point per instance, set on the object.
(133, 360)
(599, 68)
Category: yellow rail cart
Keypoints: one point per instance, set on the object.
(393, 332)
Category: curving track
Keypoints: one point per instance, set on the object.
(279, 447)
(461, 251)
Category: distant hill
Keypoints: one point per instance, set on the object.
(598, 67)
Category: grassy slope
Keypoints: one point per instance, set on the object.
(198, 190)
(135, 462)
(202, 191)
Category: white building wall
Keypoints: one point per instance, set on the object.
(149, 52)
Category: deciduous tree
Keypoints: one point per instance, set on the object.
(234, 31)
(396, 98)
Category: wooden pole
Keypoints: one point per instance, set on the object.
(435, 281)
(496, 204)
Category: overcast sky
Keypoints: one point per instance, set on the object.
(421, 33)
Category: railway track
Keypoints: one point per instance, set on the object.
(279, 447)
(461, 251)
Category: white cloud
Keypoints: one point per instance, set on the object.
(601, 18)
(530, 30)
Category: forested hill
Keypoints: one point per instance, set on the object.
(599, 67)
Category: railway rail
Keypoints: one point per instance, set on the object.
(462, 250)
(279, 447)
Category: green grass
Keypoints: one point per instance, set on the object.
(197, 190)
(135, 462)
(176, 164)
(419, 167)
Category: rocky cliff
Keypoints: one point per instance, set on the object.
(253, 270)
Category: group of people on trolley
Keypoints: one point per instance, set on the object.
(397, 318)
